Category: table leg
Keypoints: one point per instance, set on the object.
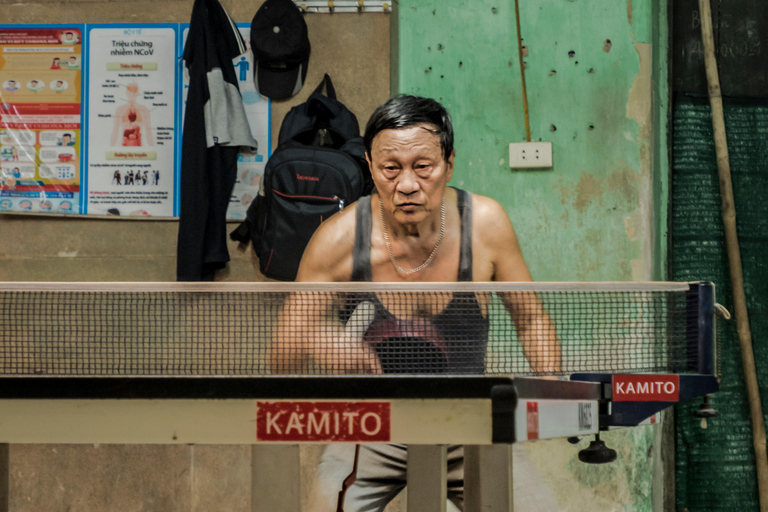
(488, 478)
(5, 477)
(275, 478)
(427, 478)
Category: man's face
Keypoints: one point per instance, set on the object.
(66, 139)
(72, 60)
(410, 172)
(11, 83)
(59, 83)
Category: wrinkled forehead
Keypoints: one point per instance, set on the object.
(417, 138)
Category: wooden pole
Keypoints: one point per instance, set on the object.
(734, 256)
(522, 72)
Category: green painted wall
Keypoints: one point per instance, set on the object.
(594, 106)
(592, 217)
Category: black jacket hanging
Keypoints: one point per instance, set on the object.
(215, 129)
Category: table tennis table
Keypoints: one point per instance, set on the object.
(486, 413)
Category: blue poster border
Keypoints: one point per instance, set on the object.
(180, 114)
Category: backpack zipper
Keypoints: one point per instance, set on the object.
(318, 198)
(347, 156)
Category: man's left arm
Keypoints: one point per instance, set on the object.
(535, 331)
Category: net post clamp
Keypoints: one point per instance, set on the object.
(503, 405)
(636, 397)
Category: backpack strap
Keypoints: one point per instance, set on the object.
(361, 254)
(330, 91)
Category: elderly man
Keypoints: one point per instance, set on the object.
(414, 228)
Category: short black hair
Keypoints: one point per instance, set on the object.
(405, 111)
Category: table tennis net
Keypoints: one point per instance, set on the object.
(261, 329)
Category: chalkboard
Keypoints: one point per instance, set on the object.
(740, 27)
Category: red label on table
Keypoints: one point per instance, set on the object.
(646, 388)
(532, 422)
(358, 422)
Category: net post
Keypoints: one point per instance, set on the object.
(275, 478)
(701, 329)
(426, 478)
(488, 478)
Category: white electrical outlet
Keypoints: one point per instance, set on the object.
(523, 155)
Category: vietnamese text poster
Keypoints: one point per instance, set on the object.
(40, 118)
(250, 164)
(91, 119)
(132, 90)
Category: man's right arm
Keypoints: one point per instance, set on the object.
(328, 255)
(310, 329)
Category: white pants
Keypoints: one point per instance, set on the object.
(381, 475)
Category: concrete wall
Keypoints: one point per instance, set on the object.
(354, 50)
(588, 71)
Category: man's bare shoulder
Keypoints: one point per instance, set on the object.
(328, 255)
(496, 240)
(490, 218)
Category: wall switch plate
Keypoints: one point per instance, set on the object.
(523, 155)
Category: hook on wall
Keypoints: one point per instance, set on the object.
(343, 6)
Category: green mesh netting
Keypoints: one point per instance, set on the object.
(715, 468)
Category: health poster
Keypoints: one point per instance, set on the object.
(250, 165)
(40, 118)
(131, 94)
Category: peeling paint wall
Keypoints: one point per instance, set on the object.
(588, 77)
(588, 71)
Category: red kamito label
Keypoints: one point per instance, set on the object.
(532, 420)
(358, 422)
(646, 388)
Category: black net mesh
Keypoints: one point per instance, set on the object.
(715, 467)
(257, 332)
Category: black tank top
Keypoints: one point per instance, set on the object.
(453, 341)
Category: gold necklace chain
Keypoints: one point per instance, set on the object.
(389, 245)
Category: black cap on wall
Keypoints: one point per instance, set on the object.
(281, 49)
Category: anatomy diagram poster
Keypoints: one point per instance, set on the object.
(131, 120)
(91, 120)
(40, 119)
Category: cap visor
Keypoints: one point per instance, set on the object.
(279, 84)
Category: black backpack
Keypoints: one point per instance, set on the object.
(318, 168)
